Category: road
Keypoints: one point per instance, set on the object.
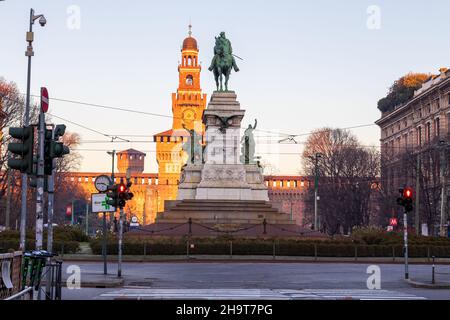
(226, 280)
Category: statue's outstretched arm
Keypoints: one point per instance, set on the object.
(256, 123)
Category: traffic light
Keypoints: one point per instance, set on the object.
(406, 199)
(23, 149)
(53, 148)
(48, 163)
(119, 194)
(112, 195)
(122, 195)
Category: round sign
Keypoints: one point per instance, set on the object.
(44, 99)
(102, 183)
(134, 219)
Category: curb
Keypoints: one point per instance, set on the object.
(98, 284)
(416, 284)
(263, 259)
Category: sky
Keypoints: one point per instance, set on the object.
(307, 64)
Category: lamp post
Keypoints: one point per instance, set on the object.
(29, 53)
(316, 187)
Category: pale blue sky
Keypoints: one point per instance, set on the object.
(308, 64)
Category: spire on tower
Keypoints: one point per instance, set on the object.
(190, 30)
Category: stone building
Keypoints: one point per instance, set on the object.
(188, 104)
(413, 135)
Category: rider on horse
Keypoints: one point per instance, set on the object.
(223, 43)
(223, 61)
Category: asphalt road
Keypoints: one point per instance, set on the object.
(258, 281)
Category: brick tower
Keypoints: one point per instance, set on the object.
(188, 104)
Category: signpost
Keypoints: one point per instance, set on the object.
(99, 204)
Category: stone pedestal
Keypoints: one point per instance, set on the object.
(222, 176)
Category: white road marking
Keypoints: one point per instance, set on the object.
(262, 294)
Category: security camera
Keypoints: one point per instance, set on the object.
(42, 21)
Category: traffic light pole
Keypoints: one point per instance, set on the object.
(51, 193)
(405, 238)
(23, 211)
(119, 269)
(105, 264)
(40, 183)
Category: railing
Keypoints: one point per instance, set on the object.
(10, 276)
(29, 271)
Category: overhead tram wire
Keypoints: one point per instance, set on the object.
(113, 137)
(111, 108)
(173, 117)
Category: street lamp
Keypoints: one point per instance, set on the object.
(316, 186)
(29, 53)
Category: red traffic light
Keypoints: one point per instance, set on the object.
(407, 193)
(122, 188)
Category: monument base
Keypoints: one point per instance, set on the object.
(237, 212)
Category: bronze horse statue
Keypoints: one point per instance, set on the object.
(223, 62)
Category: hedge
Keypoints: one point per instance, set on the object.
(59, 247)
(258, 247)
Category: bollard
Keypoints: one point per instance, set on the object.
(273, 249)
(356, 253)
(187, 249)
(432, 272)
(315, 251)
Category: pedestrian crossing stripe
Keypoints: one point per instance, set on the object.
(261, 294)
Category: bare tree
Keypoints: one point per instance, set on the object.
(347, 174)
(12, 105)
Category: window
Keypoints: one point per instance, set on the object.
(189, 80)
(419, 136)
(437, 127)
(428, 132)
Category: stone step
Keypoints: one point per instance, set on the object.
(227, 221)
(226, 202)
(212, 209)
(228, 214)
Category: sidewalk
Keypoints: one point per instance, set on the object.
(246, 258)
(97, 280)
(426, 284)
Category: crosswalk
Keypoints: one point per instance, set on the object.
(255, 294)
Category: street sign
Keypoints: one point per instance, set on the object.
(134, 222)
(44, 99)
(69, 210)
(99, 203)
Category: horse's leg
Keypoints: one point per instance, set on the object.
(227, 77)
(219, 70)
(216, 76)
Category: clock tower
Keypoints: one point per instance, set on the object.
(188, 104)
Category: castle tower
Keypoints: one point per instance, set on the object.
(130, 159)
(188, 104)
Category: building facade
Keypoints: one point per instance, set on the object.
(414, 142)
